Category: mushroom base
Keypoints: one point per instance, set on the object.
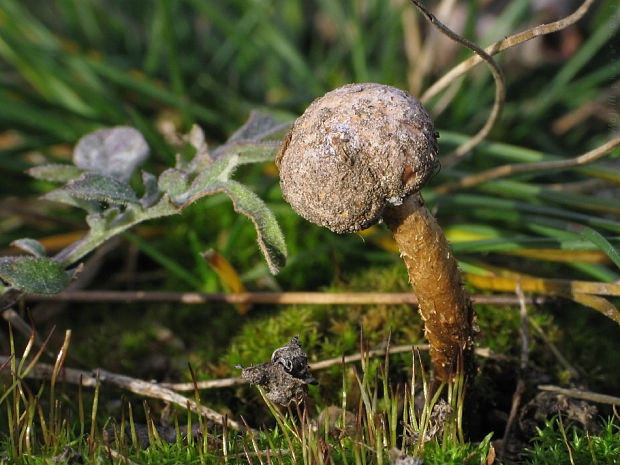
(433, 272)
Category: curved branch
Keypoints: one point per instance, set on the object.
(508, 170)
(502, 45)
(500, 86)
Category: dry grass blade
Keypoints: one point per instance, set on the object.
(502, 45)
(153, 390)
(537, 167)
(584, 292)
(520, 388)
(585, 395)
(114, 454)
(500, 86)
(278, 298)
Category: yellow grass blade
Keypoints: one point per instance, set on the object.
(227, 274)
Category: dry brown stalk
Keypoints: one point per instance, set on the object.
(444, 305)
(500, 85)
(585, 395)
(135, 385)
(535, 167)
(87, 379)
(502, 45)
(277, 298)
(520, 388)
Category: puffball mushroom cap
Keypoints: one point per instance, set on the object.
(355, 151)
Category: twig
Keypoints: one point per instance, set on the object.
(585, 395)
(535, 167)
(554, 350)
(502, 45)
(118, 456)
(323, 364)
(280, 298)
(137, 386)
(500, 86)
(520, 388)
(86, 379)
(15, 320)
(153, 390)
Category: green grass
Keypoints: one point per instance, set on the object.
(560, 443)
(40, 427)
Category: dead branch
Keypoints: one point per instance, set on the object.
(535, 167)
(500, 85)
(520, 388)
(585, 395)
(279, 298)
(137, 386)
(502, 45)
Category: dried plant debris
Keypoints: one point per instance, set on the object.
(294, 360)
(286, 377)
(68, 456)
(398, 457)
(434, 428)
(547, 404)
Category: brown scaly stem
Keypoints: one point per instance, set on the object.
(433, 272)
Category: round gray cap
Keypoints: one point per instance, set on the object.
(354, 151)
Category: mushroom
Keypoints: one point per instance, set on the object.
(360, 154)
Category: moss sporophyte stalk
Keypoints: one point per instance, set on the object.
(361, 154)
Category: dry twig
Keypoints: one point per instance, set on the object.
(279, 298)
(585, 395)
(500, 86)
(536, 167)
(137, 386)
(502, 45)
(520, 389)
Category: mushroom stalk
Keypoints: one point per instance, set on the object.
(433, 272)
(359, 154)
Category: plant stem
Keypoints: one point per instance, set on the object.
(95, 237)
(436, 279)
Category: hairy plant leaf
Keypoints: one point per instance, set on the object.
(251, 141)
(202, 158)
(270, 237)
(217, 172)
(114, 152)
(32, 246)
(174, 182)
(101, 188)
(35, 275)
(63, 196)
(251, 152)
(55, 172)
(258, 126)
